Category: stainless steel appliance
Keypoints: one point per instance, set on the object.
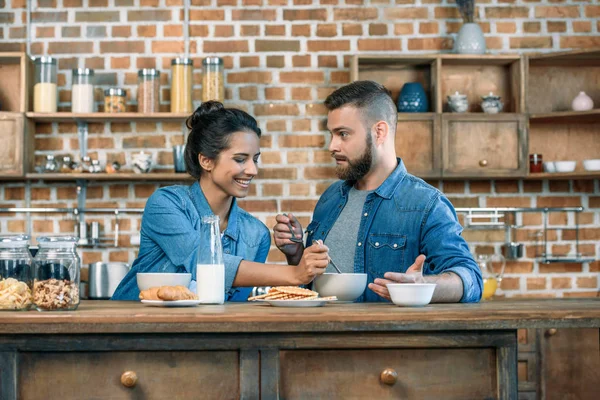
(104, 278)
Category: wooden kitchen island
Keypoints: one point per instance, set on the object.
(125, 350)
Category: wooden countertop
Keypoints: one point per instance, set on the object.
(133, 317)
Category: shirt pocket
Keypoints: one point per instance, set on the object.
(385, 252)
(311, 230)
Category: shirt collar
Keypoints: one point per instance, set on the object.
(203, 208)
(387, 188)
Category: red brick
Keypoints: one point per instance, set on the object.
(207, 15)
(70, 47)
(378, 29)
(275, 109)
(355, 14)
(275, 93)
(536, 283)
(561, 283)
(556, 26)
(559, 201)
(579, 41)
(518, 267)
(275, 30)
(249, 77)
(560, 268)
(45, 32)
(16, 226)
(250, 30)
(584, 234)
(531, 42)
(582, 26)
(559, 186)
(528, 27)
(588, 282)
(380, 44)
(430, 44)
(557, 12)
(270, 157)
(277, 173)
(302, 77)
(406, 13)
(327, 30)
(40, 17)
(317, 141)
(227, 46)
(272, 189)
(507, 186)
(258, 205)
(298, 205)
(592, 11)
(506, 12)
(253, 15)
(352, 30)
(301, 30)
(301, 61)
(319, 173)
(480, 186)
(277, 45)
(97, 16)
(582, 294)
(508, 202)
(328, 45)
(510, 27)
(403, 29)
(454, 187)
(122, 47)
(306, 14)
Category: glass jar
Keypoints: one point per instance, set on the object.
(181, 85)
(16, 273)
(82, 92)
(56, 274)
(114, 100)
(148, 90)
(212, 79)
(45, 94)
(67, 165)
(51, 164)
(535, 163)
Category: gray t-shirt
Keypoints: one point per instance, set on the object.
(341, 240)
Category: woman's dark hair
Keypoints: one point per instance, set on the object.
(211, 126)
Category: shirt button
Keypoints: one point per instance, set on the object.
(376, 243)
(395, 245)
(226, 251)
(365, 214)
(359, 244)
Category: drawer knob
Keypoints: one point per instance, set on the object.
(388, 376)
(551, 332)
(483, 163)
(129, 379)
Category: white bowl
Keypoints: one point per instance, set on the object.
(346, 287)
(549, 166)
(591, 165)
(146, 280)
(565, 166)
(411, 294)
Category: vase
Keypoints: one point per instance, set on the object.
(582, 102)
(470, 39)
(413, 98)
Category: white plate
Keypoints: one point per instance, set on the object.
(174, 303)
(297, 303)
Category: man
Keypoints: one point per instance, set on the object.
(379, 219)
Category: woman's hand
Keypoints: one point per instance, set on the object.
(283, 235)
(313, 263)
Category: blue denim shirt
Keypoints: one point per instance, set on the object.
(403, 218)
(170, 239)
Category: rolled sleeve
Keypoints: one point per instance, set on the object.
(471, 288)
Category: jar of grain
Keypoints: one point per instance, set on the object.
(148, 90)
(114, 100)
(45, 93)
(212, 80)
(82, 92)
(16, 273)
(181, 85)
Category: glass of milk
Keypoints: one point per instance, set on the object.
(210, 270)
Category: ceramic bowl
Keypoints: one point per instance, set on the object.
(565, 166)
(411, 294)
(346, 287)
(591, 165)
(146, 280)
(549, 166)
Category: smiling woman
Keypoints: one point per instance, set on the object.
(222, 153)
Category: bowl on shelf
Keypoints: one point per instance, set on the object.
(147, 280)
(565, 166)
(549, 166)
(591, 165)
(411, 294)
(346, 287)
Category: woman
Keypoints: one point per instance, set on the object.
(221, 153)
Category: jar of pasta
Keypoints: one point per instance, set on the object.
(82, 91)
(56, 274)
(181, 85)
(45, 92)
(148, 90)
(212, 79)
(114, 100)
(16, 273)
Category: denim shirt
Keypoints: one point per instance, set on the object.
(403, 218)
(170, 239)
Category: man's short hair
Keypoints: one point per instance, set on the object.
(372, 99)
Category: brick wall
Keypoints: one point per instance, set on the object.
(282, 58)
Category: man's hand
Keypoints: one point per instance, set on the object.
(414, 274)
(282, 235)
(313, 263)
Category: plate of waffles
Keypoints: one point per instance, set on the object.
(292, 296)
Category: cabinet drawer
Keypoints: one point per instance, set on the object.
(160, 375)
(421, 374)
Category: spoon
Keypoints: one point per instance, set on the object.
(339, 271)
(293, 238)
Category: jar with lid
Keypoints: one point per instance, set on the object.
(148, 90)
(16, 273)
(67, 165)
(212, 79)
(51, 164)
(56, 274)
(536, 163)
(45, 94)
(181, 85)
(114, 100)
(82, 91)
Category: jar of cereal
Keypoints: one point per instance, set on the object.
(148, 90)
(212, 79)
(16, 274)
(114, 100)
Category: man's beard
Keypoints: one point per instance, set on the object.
(357, 169)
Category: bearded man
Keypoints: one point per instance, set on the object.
(379, 219)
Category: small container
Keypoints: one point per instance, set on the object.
(16, 273)
(51, 164)
(45, 94)
(82, 92)
(114, 100)
(67, 165)
(57, 274)
(86, 164)
(148, 90)
(536, 163)
(181, 85)
(213, 79)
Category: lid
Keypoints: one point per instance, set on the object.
(45, 60)
(458, 95)
(49, 157)
(148, 72)
(83, 72)
(66, 159)
(212, 61)
(12, 241)
(182, 61)
(490, 96)
(113, 91)
(57, 241)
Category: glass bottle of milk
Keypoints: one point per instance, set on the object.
(210, 270)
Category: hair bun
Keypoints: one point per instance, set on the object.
(206, 108)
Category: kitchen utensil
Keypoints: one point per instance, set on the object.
(95, 233)
(411, 294)
(512, 250)
(334, 266)
(116, 228)
(346, 287)
(591, 165)
(104, 278)
(178, 158)
(491, 278)
(293, 238)
(565, 166)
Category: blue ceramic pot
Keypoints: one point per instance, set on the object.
(413, 98)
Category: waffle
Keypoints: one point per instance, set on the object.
(290, 293)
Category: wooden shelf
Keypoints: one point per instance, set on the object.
(565, 175)
(106, 117)
(124, 176)
(567, 116)
(406, 116)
